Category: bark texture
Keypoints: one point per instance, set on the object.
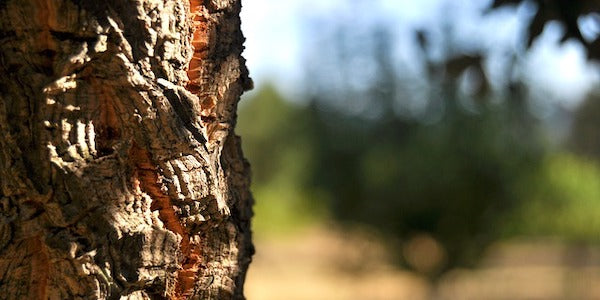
(120, 173)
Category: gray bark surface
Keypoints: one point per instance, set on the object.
(121, 176)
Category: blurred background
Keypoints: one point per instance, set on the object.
(433, 149)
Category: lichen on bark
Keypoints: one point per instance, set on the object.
(105, 192)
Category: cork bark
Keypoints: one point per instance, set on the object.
(121, 176)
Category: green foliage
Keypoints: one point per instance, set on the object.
(277, 140)
(561, 200)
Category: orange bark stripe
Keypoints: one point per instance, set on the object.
(147, 176)
(200, 42)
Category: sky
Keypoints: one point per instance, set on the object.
(276, 39)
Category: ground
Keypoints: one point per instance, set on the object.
(325, 262)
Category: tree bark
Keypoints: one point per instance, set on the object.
(120, 173)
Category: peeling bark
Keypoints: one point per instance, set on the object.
(120, 173)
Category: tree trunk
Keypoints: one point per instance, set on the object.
(120, 173)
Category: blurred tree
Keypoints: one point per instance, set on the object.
(449, 170)
(441, 153)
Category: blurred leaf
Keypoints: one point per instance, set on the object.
(498, 3)
(566, 12)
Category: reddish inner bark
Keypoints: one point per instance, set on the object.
(147, 176)
(200, 41)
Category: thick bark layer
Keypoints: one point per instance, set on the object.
(120, 173)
